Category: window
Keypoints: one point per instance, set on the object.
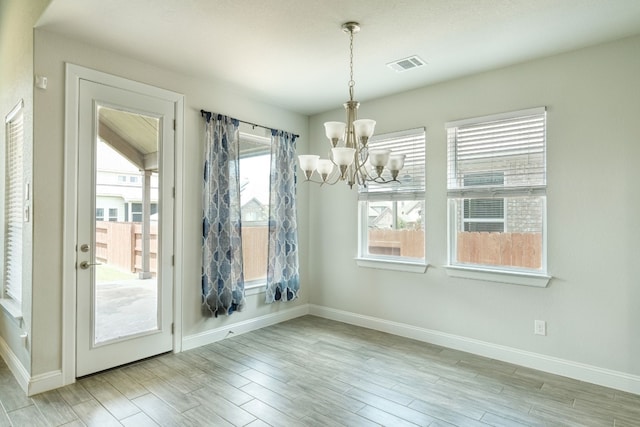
(136, 211)
(497, 191)
(99, 214)
(483, 214)
(113, 214)
(134, 179)
(122, 178)
(255, 173)
(13, 203)
(391, 217)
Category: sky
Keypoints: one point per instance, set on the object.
(255, 171)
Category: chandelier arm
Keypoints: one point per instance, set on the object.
(360, 169)
(365, 175)
(335, 176)
(321, 183)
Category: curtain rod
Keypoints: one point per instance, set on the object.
(208, 114)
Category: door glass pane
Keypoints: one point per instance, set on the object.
(125, 285)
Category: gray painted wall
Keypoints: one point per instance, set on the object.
(592, 305)
(17, 19)
(51, 53)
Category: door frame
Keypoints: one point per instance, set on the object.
(74, 74)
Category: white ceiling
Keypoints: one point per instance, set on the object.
(292, 53)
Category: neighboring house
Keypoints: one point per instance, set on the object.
(381, 216)
(254, 211)
(119, 188)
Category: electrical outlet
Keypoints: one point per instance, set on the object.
(540, 327)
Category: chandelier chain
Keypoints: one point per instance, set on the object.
(352, 82)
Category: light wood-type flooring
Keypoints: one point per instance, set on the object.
(315, 372)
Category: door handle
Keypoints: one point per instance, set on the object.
(86, 264)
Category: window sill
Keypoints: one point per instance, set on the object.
(501, 276)
(384, 264)
(255, 289)
(12, 308)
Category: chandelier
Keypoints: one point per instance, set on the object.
(356, 163)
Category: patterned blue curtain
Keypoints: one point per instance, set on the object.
(283, 279)
(222, 276)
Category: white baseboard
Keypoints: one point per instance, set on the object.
(31, 385)
(14, 365)
(217, 334)
(576, 370)
(45, 382)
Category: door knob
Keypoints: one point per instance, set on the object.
(86, 264)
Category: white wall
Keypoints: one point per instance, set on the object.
(592, 305)
(51, 52)
(17, 19)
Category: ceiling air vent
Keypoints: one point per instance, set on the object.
(406, 64)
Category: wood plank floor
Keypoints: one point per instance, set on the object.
(315, 372)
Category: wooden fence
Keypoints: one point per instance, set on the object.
(500, 249)
(119, 244)
(405, 243)
(504, 249)
(254, 252)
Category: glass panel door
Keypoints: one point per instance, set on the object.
(124, 245)
(126, 277)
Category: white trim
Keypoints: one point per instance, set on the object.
(178, 224)
(493, 117)
(395, 265)
(555, 365)
(500, 276)
(30, 385)
(72, 91)
(13, 308)
(15, 365)
(45, 382)
(74, 73)
(212, 335)
(255, 290)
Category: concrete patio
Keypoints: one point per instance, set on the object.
(124, 305)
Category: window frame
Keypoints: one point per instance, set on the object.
(250, 137)
(130, 212)
(14, 192)
(388, 193)
(458, 193)
(113, 214)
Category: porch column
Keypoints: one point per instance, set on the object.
(146, 226)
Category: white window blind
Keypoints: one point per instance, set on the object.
(496, 186)
(512, 144)
(411, 180)
(13, 204)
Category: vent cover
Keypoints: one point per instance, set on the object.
(406, 64)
